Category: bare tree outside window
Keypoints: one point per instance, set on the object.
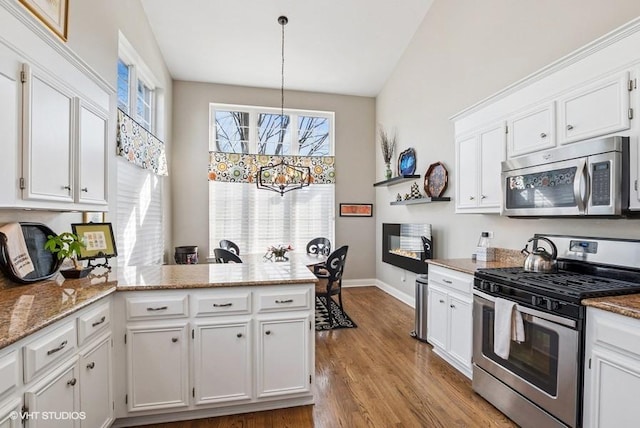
(273, 134)
(313, 136)
(232, 131)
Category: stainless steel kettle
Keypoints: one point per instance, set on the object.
(539, 259)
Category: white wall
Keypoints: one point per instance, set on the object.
(354, 131)
(464, 51)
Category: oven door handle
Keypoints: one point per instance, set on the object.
(538, 314)
(581, 181)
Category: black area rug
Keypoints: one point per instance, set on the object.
(340, 319)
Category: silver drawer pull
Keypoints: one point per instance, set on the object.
(59, 348)
(446, 281)
(569, 127)
(452, 306)
(285, 301)
(543, 135)
(239, 335)
(91, 365)
(72, 382)
(85, 189)
(103, 319)
(222, 305)
(268, 332)
(160, 308)
(174, 339)
(441, 301)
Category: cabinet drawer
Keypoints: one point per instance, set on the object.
(8, 372)
(47, 349)
(222, 304)
(451, 279)
(157, 307)
(615, 330)
(284, 301)
(93, 322)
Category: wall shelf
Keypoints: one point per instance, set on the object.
(396, 180)
(421, 201)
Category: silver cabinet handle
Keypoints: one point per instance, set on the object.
(441, 301)
(569, 127)
(268, 332)
(452, 306)
(85, 189)
(174, 339)
(483, 197)
(66, 187)
(471, 198)
(222, 305)
(91, 365)
(543, 135)
(239, 335)
(160, 308)
(285, 301)
(446, 281)
(72, 382)
(59, 348)
(103, 319)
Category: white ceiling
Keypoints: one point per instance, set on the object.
(334, 46)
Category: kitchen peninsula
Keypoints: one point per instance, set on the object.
(161, 343)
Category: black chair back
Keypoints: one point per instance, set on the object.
(225, 256)
(229, 245)
(335, 265)
(321, 246)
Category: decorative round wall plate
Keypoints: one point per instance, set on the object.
(435, 180)
(407, 162)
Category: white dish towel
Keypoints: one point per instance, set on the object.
(507, 326)
(17, 251)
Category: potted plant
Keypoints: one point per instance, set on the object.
(68, 246)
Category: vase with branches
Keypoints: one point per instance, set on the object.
(388, 145)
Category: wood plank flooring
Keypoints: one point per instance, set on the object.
(375, 375)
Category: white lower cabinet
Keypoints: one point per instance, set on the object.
(222, 361)
(10, 413)
(158, 366)
(612, 370)
(449, 316)
(96, 389)
(283, 356)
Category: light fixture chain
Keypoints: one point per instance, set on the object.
(283, 22)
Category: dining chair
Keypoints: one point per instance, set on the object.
(229, 245)
(222, 255)
(330, 276)
(321, 246)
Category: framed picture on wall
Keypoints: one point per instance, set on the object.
(52, 13)
(356, 210)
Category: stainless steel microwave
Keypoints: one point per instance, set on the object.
(588, 178)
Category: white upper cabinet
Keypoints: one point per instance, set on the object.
(532, 130)
(91, 187)
(595, 109)
(47, 135)
(478, 162)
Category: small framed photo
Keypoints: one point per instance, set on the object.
(98, 240)
(52, 13)
(356, 210)
(92, 217)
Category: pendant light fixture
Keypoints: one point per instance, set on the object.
(283, 177)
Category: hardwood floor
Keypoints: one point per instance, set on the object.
(375, 375)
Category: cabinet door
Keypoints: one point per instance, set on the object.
(460, 330)
(96, 400)
(467, 172)
(222, 362)
(492, 150)
(437, 318)
(47, 125)
(55, 394)
(596, 109)
(158, 367)
(10, 414)
(10, 87)
(532, 130)
(283, 358)
(92, 147)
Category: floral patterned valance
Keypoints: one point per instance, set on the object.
(242, 167)
(139, 146)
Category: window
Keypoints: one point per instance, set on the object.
(256, 219)
(123, 87)
(136, 92)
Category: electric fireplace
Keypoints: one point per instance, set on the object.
(407, 245)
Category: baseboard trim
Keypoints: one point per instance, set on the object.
(367, 282)
(394, 292)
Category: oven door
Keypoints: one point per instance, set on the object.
(544, 369)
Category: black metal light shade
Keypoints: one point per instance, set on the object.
(283, 177)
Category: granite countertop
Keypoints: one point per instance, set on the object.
(165, 277)
(628, 305)
(27, 308)
(503, 258)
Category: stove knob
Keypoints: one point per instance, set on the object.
(537, 301)
(553, 305)
(484, 285)
(494, 288)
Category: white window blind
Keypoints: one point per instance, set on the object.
(256, 219)
(140, 238)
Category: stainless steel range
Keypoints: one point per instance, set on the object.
(540, 382)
